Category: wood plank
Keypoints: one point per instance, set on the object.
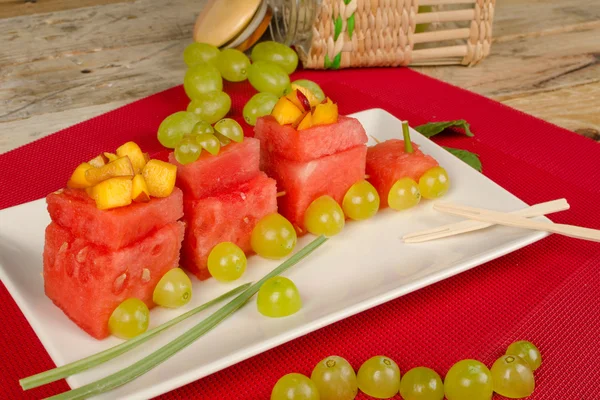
(14, 8)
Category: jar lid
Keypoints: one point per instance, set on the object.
(221, 21)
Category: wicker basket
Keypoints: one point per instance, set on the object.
(370, 33)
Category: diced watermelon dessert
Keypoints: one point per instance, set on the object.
(312, 143)
(115, 228)
(388, 162)
(211, 174)
(88, 281)
(303, 182)
(228, 216)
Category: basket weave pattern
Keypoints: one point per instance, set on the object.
(363, 33)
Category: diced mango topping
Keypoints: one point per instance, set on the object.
(133, 151)
(78, 179)
(110, 156)
(98, 161)
(160, 177)
(140, 191)
(299, 99)
(325, 113)
(306, 122)
(121, 167)
(309, 95)
(113, 192)
(302, 110)
(285, 112)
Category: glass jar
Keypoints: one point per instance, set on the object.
(292, 22)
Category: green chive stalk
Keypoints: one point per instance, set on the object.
(408, 147)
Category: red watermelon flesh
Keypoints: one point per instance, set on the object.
(387, 162)
(74, 210)
(226, 217)
(309, 144)
(88, 281)
(235, 163)
(303, 182)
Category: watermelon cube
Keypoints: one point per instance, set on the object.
(309, 144)
(74, 210)
(387, 162)
(235, 163)
(88, 281)
(304, 181)
(226, 217)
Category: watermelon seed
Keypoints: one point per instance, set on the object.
(82, 254)
(63, 247)
(118, 283)
(145, 275)
(246, 220)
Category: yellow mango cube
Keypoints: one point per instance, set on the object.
(78, 178)
(113, 193)
(160, 177)
(140, 191)
(120, 167)
(135, 154)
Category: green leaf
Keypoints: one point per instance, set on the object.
(108, 354)
(350, 25)
(470, 158)
(338, 27)
(433, 128)
(336, 61)
(327, 62)
(147, 363)
(346, 2)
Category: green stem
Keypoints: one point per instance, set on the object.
(147, 363)
(408, 148)
(106, 355)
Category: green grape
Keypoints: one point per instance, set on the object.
(421, 383)
(187, 150)
(129, 319)
(312, 86)
(228, 128)
(434, 183)
(335, 379)
(294, 387)
(173, 290)
(324, 216)
(198, 53)
(233, 65)
(202, 127)
(268, 77)
(379, 377)
(175, 126)
(527, 351)
(512, 377)
(278, 297)
(226, 262)
(211, 107)
(259, 105)
(209, 142)
(468, 379)
(276, 53)
(361, 201)
(201, 79)
(273, 237)
(404, 194)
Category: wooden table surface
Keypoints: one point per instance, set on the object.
(64, 61)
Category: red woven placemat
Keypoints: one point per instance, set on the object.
(547, 292)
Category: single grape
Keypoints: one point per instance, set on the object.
(404, 194)
(201, 79)
(173, 290)
(209, 142)
(211, 107)
(202, 127)
(229, 128)
(312, 86)
(233, 65)
(324, 216)
(259, 105)
(434, 183)
(273, 237)
(268, 77)
(421, 383)
(226, 262)
(527, 351)
(175, 126)
(198, 53)
(129, 319)
(512, 377)
(361, 201)
(278, 297)
(187, 150)
(468, 379)
(335, 379)
(276, 53)
(379, 377)
(294, 387)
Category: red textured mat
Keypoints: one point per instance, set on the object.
(548, 292)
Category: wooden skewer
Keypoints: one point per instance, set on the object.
(281, 194)
(375, 139)
(499, 218)
(470, 226)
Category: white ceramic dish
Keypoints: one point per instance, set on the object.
(333, 280)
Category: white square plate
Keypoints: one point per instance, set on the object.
(342, 288)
